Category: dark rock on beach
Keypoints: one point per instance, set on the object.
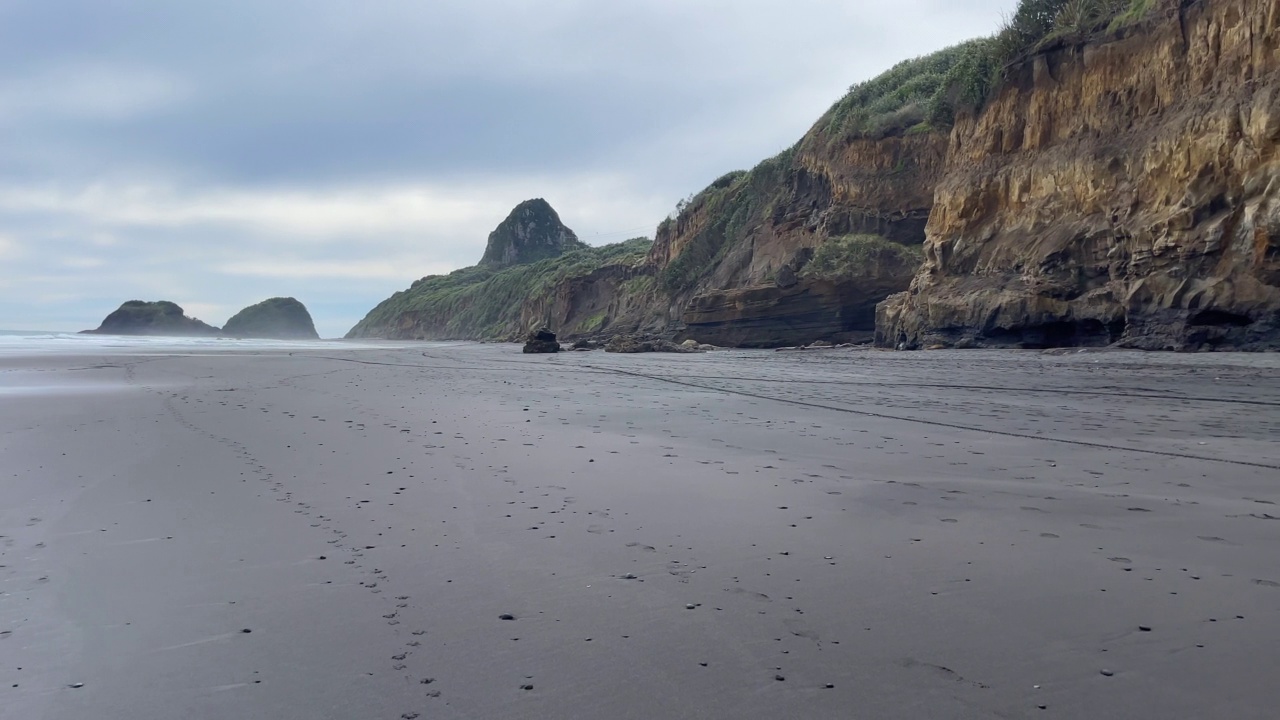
(541, 341)
(640, 344)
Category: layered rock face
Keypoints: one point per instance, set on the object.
(832, 296)
(531, 232)
(138, 317)
(278, 318)
(615, 297)
(1121, 190)
(772, 220)
(774, 317)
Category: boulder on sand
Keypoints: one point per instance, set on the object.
(635, 344)
(541, 341)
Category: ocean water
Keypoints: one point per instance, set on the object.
(24, 373)
(15, 343)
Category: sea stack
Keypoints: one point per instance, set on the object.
(279, 318)
(140, 317)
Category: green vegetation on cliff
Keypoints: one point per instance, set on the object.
(851, 255)
(281, 318)
(924, 93)
(484, 301)
(897, 100)
(984, 62)
(733, 203)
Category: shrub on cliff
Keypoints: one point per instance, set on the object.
(894, 101)
(852, 255)
(981, 64)
(734, 203)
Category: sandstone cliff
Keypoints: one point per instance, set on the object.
(1123, 187)
(728, 269)
(731, 262)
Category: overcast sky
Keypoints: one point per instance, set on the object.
(216, 153)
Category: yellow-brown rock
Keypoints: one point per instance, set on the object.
(1125, 189)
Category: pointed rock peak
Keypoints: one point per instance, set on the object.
(532, 232)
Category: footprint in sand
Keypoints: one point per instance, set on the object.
(750, 595)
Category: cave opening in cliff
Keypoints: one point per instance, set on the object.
(1062, 333)
(1219, 317)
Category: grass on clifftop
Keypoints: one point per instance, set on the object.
(925, 93)
(849, 255)
(486, 302)
(1032, 25)
(895, 101)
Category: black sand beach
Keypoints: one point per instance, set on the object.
(338, 533)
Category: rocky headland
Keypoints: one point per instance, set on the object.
(534, 273)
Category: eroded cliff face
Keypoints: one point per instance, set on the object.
(751, 236)
(826, 188)
(1121, 190)
(612, 299)
(770, 316)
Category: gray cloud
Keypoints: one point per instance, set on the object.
(216, 153)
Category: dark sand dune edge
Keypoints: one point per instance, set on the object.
(371, 522)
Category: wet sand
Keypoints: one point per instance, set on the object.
(337, 533)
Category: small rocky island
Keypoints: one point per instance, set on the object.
(279, 318)
(139, 317)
